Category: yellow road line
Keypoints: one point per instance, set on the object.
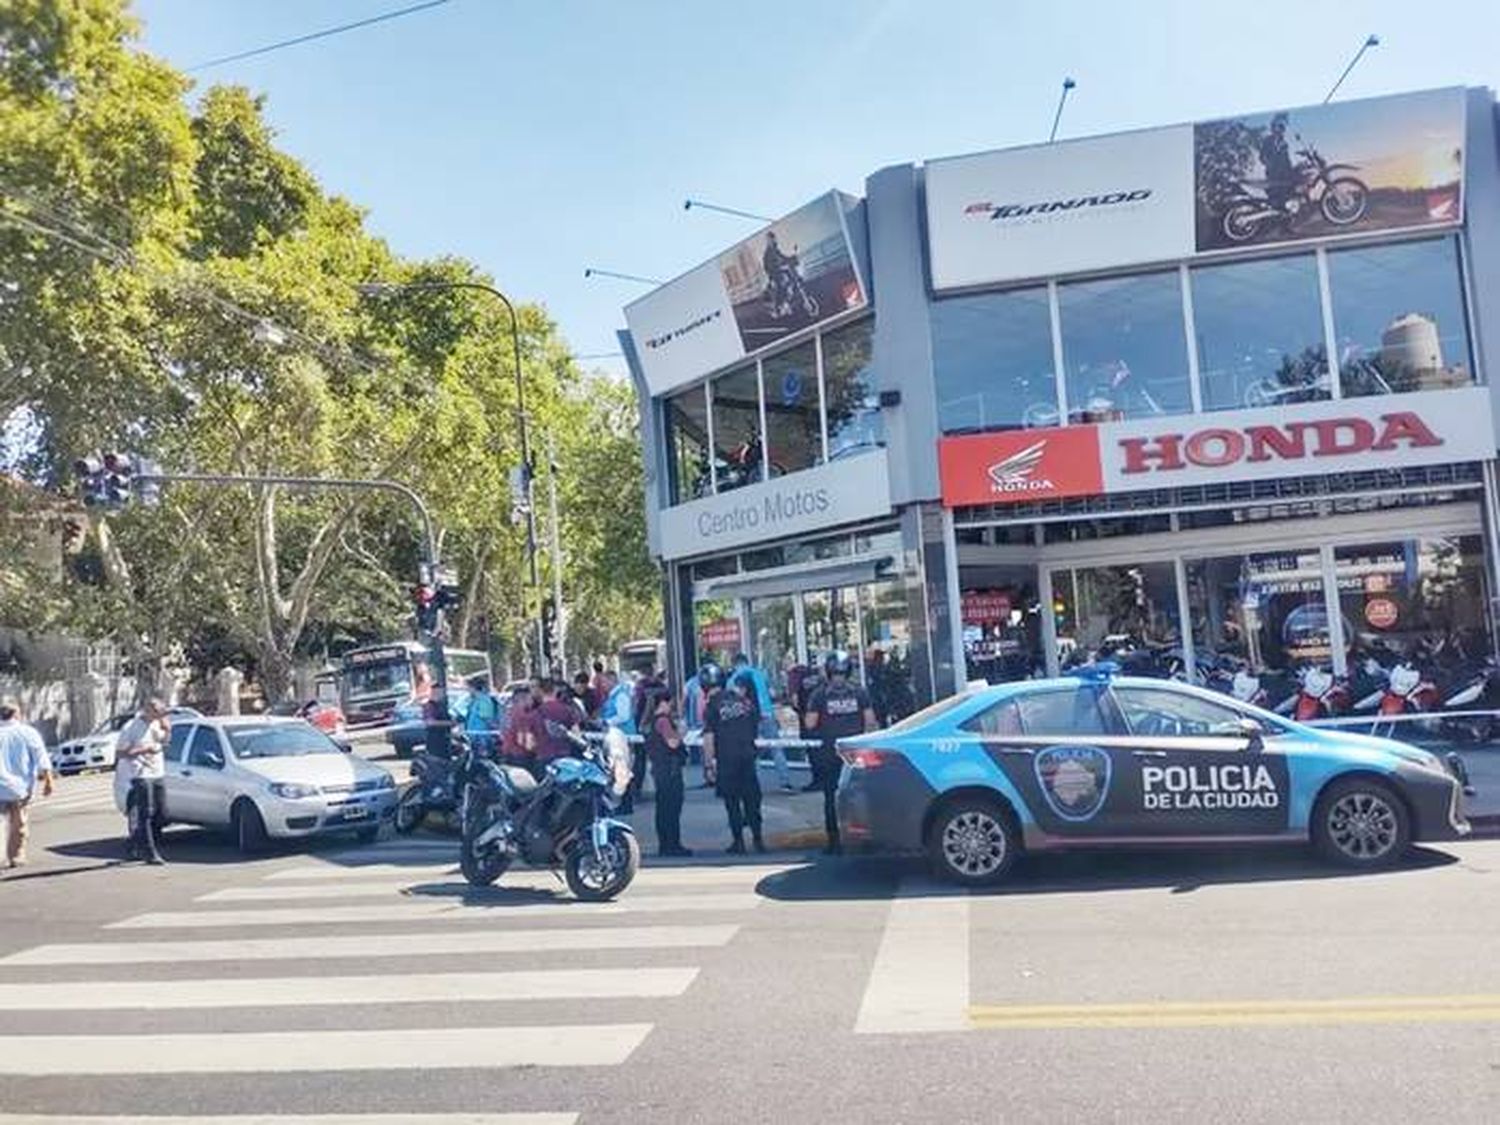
(1476, 1008)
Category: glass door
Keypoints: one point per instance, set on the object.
(831, 621)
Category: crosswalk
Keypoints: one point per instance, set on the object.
(85, 793)
(201, 991)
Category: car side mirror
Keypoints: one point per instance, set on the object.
(215, 761)
(1253, 733)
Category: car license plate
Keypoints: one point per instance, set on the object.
(355, 812)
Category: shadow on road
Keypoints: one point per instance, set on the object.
(860, 878)
(206, 847)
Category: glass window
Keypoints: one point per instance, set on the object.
(773, 639)
(1260, 333)
(767, 558)
(686, 416)
(1065, 711)
(1256, 619)
(204, 750)
(1415, 599)
(177, 740)
(1399, 314)
(1122, 613)
(794, 427)
(1074, 531)
(992, 361)
(737, 441)
(1001, 623)
(854, 419)
(1157, 712)
(716, 629)
(716, 567)
(1125, 347)
(1003, 719)
(812, 550)
(830, 618)
(885, 624)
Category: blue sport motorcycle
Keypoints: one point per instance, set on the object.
(562, 821)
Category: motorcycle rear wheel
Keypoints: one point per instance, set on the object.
(411, 811)
(594, 881)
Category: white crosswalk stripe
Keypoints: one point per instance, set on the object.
(306, 1119)
(649, 943)
(440, 909)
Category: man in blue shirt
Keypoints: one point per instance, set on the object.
(768, 728)
(23, 762)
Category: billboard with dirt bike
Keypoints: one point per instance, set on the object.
(797, 272)
(1322, 171)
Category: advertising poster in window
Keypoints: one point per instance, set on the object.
(1322, 171)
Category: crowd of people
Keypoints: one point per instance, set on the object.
(726, 710)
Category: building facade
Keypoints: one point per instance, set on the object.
(1205, 398)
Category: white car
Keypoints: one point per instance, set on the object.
(96, 750)
(265, 776)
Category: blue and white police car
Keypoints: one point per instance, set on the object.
(1101, 760)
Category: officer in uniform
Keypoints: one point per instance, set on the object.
(667, 755)
(730, 722)
(837, 709)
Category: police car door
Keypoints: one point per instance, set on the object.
(1192, 772)
(1053, 744)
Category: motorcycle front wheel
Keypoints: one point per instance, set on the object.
(1345, 201)
(480, 869)
(599, 879)
(411, 810)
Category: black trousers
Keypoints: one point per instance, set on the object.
(146, 799)
(637, 772)
(826, 771)
(666, 775)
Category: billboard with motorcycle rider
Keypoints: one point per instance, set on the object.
(796, 272)
(1343, 168)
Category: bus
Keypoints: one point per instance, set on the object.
(641, 657)
(376, 679)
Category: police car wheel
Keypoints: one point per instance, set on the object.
(1361, 823)
(973, 842)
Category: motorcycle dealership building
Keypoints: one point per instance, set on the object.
(1212, 395)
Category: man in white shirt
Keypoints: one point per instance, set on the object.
(140, 765)
(23, 762)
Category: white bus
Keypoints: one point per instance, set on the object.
(376, 679)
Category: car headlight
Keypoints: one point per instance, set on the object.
(291, 791)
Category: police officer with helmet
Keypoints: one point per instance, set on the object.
(837, 709)
(731, 720)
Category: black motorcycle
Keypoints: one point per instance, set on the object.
(1321, 187)
(436, 785)
(562, 821)
(787, 295)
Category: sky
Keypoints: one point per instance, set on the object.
(541, 137)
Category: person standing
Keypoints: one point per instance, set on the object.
(667, 755)
(730, 723)
(618, 711)
(140, 761)
(583, 691)
(838, 709)
(482, 716)
(554, 711)
(518, 743)
(23, 762)
(762, 687)
(807, 681)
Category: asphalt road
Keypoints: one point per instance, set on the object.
(328, 982)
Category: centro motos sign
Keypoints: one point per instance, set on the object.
(853, 489)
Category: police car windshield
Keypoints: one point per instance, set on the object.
(927, 714)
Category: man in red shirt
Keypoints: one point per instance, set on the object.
(553, 710)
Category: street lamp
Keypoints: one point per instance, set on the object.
(391, 288)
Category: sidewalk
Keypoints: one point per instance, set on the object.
(793, 821)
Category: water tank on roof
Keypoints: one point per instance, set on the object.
(1411, 341)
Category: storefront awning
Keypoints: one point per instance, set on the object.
(821, 575)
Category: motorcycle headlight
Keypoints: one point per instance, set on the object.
(291, 791)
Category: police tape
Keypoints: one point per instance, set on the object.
(695, 739)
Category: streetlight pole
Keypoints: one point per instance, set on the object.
(383, 288)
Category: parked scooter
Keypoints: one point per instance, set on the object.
(562, 821)
(436, 785)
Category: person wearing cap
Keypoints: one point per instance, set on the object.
(23, 763)
(838, 709)
(730, 723)
(667, 755)
(140, 766)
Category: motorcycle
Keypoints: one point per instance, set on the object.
(1479, 692)
(1246, 687)
(786, 293)
(435, 787)
(1408, 690)
(740, 468)
(1319, 696)
(1122, 396)
(562, 821)
(1341, 198)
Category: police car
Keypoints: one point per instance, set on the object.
(1101, 760)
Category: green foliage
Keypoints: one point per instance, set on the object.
(140, 245)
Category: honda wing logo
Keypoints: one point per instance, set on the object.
(1017, 473)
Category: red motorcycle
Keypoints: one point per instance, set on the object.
(1319, 695)
(1408, 690)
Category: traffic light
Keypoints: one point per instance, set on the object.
(549, 629)
(90, 471)
(520, 494)
(429, 611)
(119, 471)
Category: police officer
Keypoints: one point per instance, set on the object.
(837, 709)
(730, 722)
(668, 756)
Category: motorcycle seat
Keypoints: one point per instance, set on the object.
(520, 780)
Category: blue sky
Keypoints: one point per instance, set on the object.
(537, 138)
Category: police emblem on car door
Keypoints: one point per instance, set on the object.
(1074, 780)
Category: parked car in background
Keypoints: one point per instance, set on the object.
(327, 717)
(96, 750)
(265, 777)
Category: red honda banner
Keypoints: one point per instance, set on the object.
(1020, 465)
(722, 633)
